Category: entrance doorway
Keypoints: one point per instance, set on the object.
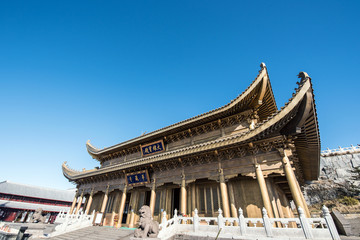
(126, 208)
(175, 203)
(144, 198)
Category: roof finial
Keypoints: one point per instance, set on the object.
(262, 65)
(304, 76)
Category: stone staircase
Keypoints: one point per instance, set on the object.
(96, 233)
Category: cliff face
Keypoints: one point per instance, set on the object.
(335, 175)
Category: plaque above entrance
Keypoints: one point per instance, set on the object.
(137, 178)
(152, 148)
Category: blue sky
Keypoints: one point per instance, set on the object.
(110, 70)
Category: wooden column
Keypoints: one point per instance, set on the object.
(103, 206)
(134, 204)
(232, 201)
(306, 209)
(132, 218)
(292, 181)
(112, 219)
(224, 195)
(183, 196)
(272, 198)
(193, 198)
(79, 202)
(73, 203)
(153, 198)
(263, 190)
(88, 205)
(278, 203)
(122, 206)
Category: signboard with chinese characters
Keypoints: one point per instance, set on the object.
(137, 178)
(152, 148)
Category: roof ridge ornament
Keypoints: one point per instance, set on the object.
(304, 76)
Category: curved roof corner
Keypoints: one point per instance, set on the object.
(258, 95)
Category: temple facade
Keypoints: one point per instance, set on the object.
(245, 154)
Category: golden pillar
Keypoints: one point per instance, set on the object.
(79, 202)
(89, 202)
(103, 206)
(132, 218)
(224, 194)
(134, 205)
(278, 203)
(193, 198)
(293, 183)
(153, 198)
(73, 203)
(272, 198)
(263, 190)
(232, 201)
(112, 219)
(121, 208)
(183, 195)
(306, 209)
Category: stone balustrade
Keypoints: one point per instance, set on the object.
(340, 150)
(70, 222)
(265, 227)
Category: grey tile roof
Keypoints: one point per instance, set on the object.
(32, 206)
(8, 187)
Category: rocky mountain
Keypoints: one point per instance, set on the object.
(335, 175)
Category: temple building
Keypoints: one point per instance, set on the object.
(245, 154)
(18, 201)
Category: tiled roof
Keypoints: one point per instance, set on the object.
(8, 187)
(273, 123)
(32, 206)
(268, 107)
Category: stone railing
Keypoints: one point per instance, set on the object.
(265, 227)
(70, 222)
(7, 233)
(340, 151)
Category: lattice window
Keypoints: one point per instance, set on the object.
(209, 199)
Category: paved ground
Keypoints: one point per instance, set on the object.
(355, 226)
(349, 238)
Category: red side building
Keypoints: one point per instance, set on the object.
(19, 201)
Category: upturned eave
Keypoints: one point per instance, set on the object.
(247, 100)
(309, 158)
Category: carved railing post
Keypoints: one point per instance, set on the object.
(330, 223)
(196, 220)
(92, 216)
(242, 223)
(220, 220)
(163, 220)
(176, 220)
(267, 223)
(305, 224)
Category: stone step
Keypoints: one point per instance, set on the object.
(96, 233)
